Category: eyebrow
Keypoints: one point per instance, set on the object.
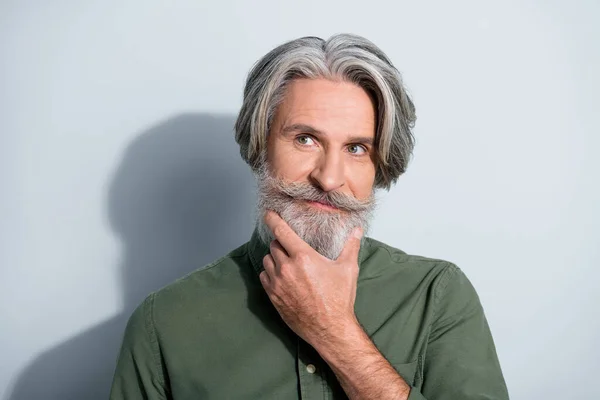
(311, 130)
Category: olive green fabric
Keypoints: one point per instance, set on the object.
(214, 334)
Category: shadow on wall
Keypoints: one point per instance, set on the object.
(180, 198)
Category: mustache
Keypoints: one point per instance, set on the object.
(308, 192)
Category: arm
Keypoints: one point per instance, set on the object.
(460, 361)
(139, 373)
(360, 368)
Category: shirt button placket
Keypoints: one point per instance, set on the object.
(311, 382)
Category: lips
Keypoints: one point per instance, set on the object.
(321, 204)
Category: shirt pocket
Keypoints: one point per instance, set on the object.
(407, 371)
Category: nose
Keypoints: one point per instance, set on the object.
(328, 174)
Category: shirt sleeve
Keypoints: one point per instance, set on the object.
(461, 361)
(139, 373)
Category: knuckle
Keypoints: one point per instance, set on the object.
(303, 257)
(284, 268)
(275, 299)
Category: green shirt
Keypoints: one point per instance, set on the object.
(214, 334)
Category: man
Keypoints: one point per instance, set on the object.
(310, 308)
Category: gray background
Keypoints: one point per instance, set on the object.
(119, 172)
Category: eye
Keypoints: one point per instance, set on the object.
(305, 140)
(356, 149)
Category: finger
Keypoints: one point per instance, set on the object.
(278, 253)
(352, 246)
(264, 279)
(269, 265)
(284, 234)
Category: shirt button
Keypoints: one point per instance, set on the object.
(311, 368)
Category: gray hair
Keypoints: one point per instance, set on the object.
(345, 57)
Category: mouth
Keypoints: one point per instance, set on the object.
(324, 206)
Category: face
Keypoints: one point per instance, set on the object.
(319, 168)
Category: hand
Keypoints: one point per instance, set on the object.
(313, 294)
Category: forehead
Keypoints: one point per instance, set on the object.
(334, 107)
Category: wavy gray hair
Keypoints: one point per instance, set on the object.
(345, 57)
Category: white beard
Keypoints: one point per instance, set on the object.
(326, 231)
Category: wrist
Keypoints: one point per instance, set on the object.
(340, 338)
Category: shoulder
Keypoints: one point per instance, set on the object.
(401, 259)
(442, 275)
(201, 287)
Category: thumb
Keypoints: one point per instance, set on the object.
(352, 247)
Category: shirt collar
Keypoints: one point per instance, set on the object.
(257, 250)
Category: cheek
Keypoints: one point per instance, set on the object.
(289, 163)
(361, 178)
